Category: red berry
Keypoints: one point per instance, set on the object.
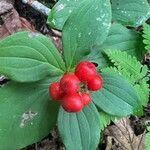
(85, 71)
(72, 103)
(95, 83)
(70, 83)
(86, 99)
(55, 92)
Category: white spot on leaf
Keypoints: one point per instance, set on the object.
(27, 117)
(33, 34)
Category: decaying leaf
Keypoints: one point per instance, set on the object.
(10, 22)
(121, 137)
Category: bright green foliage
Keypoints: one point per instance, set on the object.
(26, 113)
(27, 56)
(130, 12)
(61, 12)
(80, 131)
(125, 61)
(133, 71)
(79, 35)
(119, 38)
(105, 119)
(148, 139)
(123, 39)
(146, 36)
(117, 96)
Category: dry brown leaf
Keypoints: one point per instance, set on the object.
(121, 137)
(11, 21)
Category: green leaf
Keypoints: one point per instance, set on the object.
(97, 55)
(80, 131)
(133, 71)
(105, 119)
(26, 113)
(146, 36)
(88, 25)
(117, 96)
(130, 12)
(61, 12)
(119, 38)
(131, 64)
(148, 139)
(28, 56)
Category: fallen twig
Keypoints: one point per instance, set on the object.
(38, 6)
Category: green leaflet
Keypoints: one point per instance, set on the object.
(80, 131)
(127, 12)
(130, 12)
(147, 143)
(61, 12)
(92, 29)
(119, 38)
(146, 36)
(27, 56)
(117, 97)
(133, 71)
(105, 119)
(26, 113)
(123, 60)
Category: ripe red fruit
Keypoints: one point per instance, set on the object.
(72, 103)
(86, 99)
(95, 83)
(70, 83)
(85, 71)
(55, 91)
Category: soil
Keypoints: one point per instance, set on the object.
(38, 21)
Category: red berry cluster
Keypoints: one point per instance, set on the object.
(73, 88)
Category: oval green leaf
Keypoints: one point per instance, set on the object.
(28, 56)
(119, 38)
(88, 25)
(61, 12)
(117, 97)
(130, 12)
(26, 113)
(80, 131)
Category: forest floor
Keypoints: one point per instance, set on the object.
(126, 134)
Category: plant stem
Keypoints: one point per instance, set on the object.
(38, 6)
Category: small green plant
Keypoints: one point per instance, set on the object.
(40, 76)
(148, 139)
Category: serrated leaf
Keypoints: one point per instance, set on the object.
(61, 12)
(146, 36)
(105, 119)
(28, 56)
(80, 131)
(119, 38)
(92, 29)
(117, 96)
(147, 141)
(130, 12)
(128, 62)
(26, 113)
(133, 71)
